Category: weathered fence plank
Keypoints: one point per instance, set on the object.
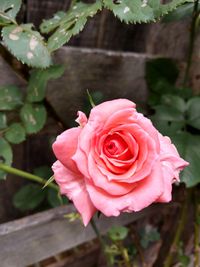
(34, 238)
(115, 74)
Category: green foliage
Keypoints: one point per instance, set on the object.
(175, 111)
(10, 97)
(28, 197)
(148, 235)
(184, 260)
(139, 11)
(33, 117)
(166, 113)
(117, 233)
(193, 112)
(182, 12)
(55, 199)
(38, 82)
(43, 171)
(51, 24)
(3, 121)
(188, 146)
(6, 155)
(9, 10)
(69, 24)
(174, 101)
(26, 45)
(52, 196)
(15, 134)
(161, 76)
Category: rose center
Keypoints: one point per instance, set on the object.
(114, 145)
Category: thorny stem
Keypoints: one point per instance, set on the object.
(179, 230)
(26, 175)
(101, 240)
(196, 233)
(193, 31)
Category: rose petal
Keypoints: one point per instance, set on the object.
(100, 180)
(73, 186)
(102, 112)
(145, 193)
(170, 155)
(82, 119)
(65, 146)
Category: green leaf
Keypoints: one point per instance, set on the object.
(51, 24)
(182, 12)
(3, 121)
(6, 155)
(193, 112)
(168, 128)
(9, 10)
(161, 69)
(38, 82)
(140, 11)
(148, 235)
(43, 171)
(29, 197)
(33, 117)
(174, 101)
(54, 198)
(10, 97)
(26, 45)
(71, 24)
(15, 133)
(165, 113)
(117, 233)
(188, 146)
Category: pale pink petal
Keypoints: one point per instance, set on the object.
(100, 180)
(145, 193)
(170, 155)
(65, 146)
(102, 112)
(168, 178)
(82, 119)
(148, 127)
(73, 186)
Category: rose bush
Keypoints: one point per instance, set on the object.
(116, 161)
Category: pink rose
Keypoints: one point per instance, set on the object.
(116, 161)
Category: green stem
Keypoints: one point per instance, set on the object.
(101, 240)
(192, 41)
(179, 230)
(5, 16)
(26, 175)
(124, 254)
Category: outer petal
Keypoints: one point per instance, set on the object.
(82, 119)
(145, 193)
(65, 146)
(73, 186)
(169, 157)
(168, 176)
(103, 111)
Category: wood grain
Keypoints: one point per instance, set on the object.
(34, 238)
(114, 74)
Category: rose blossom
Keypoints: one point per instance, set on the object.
(116, 161)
